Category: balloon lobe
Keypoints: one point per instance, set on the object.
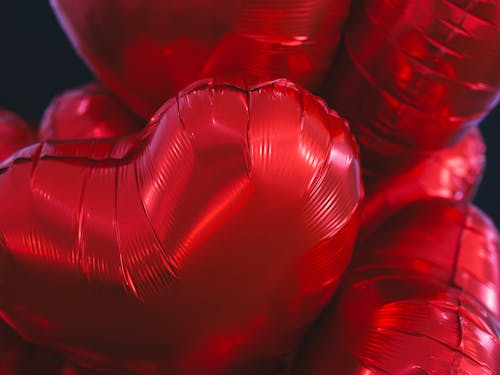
(415, 76)
(421, 293)
(226, 184)
(88, 112)
(146, 51)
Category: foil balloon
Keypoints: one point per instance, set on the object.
(11, 351)
(422, 296)
(146, 50)
(21, 358)
(40, 361)
(15, 133)
(70, 369)
(452, 173)
(415, 75)
(87, 112)
(203, 245)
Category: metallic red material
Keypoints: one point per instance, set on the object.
(422, 296)
(11, 351)
(71, 369)
(88, 112)
(416, 75)
(203, 245)
(452, 173)
(15, 133)
(146, 50)
(21, 358)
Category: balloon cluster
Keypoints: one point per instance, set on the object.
(200, 212)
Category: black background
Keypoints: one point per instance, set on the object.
(37, 62)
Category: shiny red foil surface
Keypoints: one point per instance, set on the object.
(15, 133)
(87, 112)
(452, 173)
(20, 358)
(415, 75)
(147, 50)
(420, 297)
(11, 351)
(203, 245)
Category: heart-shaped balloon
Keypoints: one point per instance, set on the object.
(15, 133)
(203, 245)
(88, 112)
(452, 173)
(146, 50)
(416, 75)
(422, 296)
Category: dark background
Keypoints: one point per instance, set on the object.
(37, 62)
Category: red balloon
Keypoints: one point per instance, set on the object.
(40, 361)
(422, 296)
(18, 357)
(203, 245)
(416, 75)
(15, 133)
(452, 173)
(71, 369)
(146, 50)
(11, 351)
(87, 112)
